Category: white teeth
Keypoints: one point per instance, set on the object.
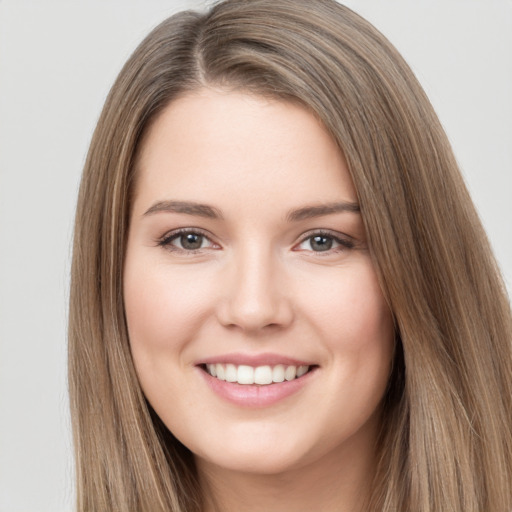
(290, 373)
(261, 375)
(301, 370)
(278, 373)
(221, 373)
(231, 373)
(245, 374)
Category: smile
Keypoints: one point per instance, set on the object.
(261, 375)
(256, 380)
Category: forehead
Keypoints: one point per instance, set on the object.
(216, 144)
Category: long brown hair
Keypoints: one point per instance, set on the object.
(446, 440)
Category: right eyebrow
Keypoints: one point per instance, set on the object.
(313, 211)
(187, 207)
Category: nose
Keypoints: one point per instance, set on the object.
(255, 296)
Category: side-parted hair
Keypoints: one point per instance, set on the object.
(446, 439)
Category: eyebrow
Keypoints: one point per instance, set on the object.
(187, 207)
(310, 212)
(210, 212)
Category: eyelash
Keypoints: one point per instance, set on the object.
(343, 243)
(168, 238)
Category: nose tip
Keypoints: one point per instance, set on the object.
(255, 301)
(253, 314)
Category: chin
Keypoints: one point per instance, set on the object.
(247, 461)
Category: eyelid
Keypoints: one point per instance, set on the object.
(165, 240)
(345, 241)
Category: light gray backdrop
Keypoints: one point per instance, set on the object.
(57, 62)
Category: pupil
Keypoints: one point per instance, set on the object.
(321, 243)
(191, 241)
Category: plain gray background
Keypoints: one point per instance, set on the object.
(57, 62)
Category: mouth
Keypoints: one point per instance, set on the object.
(264, 375)
(256, 381)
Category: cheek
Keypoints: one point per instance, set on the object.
(161, 307)
(163, 311)
(352, 317)
(357, 328)
(351, 308)
(148, 309)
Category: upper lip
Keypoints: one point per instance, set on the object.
(264, 359)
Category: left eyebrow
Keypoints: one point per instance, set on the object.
(187, 207)
(309, 212)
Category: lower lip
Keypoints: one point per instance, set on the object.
(254, 395)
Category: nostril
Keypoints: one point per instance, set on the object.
(253, 318)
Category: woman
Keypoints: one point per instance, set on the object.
(282, 297)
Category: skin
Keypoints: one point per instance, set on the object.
(257, 284)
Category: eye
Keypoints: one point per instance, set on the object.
(190, 241)
(321, 243)
(186, 240)
(324, 242)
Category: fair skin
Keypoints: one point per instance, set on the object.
(246, 248)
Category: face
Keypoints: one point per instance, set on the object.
(258, 330)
